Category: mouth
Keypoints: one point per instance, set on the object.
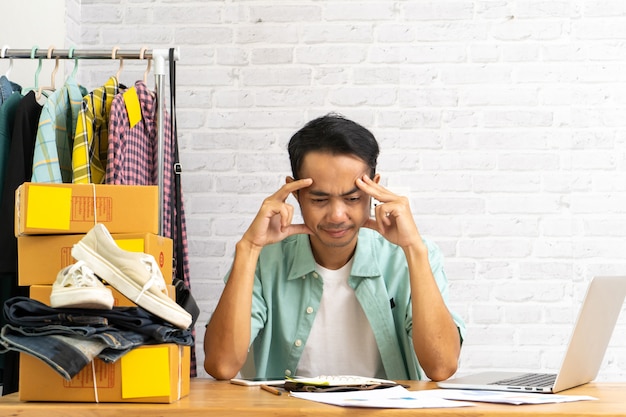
(336, 233)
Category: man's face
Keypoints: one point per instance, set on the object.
(333, 207)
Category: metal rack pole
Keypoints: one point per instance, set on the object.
(37, 52)
(159, 57)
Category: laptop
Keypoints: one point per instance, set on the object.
(585, 352)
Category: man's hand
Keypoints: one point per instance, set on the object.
(273, 221)
(394, 219)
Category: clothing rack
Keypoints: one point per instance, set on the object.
(158, 57)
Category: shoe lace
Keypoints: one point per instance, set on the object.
(155, 279)
(80, 275)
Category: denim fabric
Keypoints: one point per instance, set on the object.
(111, 337)
(7, 88)
(26, 312)
(66, 355)
(68, 339)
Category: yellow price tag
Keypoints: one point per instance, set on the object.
(146, 372)
(133, 107)
(49, 207)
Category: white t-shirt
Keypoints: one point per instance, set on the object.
(341, 341)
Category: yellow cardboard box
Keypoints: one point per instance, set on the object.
(41, 257)
(42, 293)
(147, 374)
(75, 208)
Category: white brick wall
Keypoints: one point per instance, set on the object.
(506, 120)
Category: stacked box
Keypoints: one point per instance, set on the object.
(53, 253)
(43, 209)
(49, 220)
(147, 374)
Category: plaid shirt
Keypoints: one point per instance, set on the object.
(52, 159)
(133, 159)
(91, 138)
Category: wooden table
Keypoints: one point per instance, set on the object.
(220, 398)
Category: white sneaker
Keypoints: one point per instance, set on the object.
(77, 286)
(134, 274)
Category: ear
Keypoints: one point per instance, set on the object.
(376, 178)
(289, 180)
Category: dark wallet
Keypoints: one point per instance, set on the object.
(306, 387)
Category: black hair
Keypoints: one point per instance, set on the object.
(337, 135)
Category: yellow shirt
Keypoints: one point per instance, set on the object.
(89, 155)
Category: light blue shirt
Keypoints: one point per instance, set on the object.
(287, 294)
(52, 157)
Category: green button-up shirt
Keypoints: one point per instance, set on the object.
(287, 294)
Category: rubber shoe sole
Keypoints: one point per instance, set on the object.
(88, 298)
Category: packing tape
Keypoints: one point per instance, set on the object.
(180, 371)
(95, 385)
(95, 211)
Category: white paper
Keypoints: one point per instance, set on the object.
(504, 397)
(394, 397)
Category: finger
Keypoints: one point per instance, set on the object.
(375, 190)
(384, 214)
(286, 215)
(291, 187)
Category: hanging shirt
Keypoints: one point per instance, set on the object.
(7, 115)
(92, 134)
(7, 88)
(132, 158)
(52, 160)
(8, 282)
(19, 168)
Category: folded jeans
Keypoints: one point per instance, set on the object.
(68, 339)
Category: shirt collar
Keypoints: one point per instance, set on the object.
(7, 88)
(303, 262)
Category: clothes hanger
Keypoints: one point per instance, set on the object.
(114, 56)
(141, 56)
(3, 55)
(38, 70)
(33, 53)
(51, 87)
(70, 55)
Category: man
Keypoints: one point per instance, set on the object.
(343, 293)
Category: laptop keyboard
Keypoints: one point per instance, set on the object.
(529, 380)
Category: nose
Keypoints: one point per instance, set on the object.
(338, 212)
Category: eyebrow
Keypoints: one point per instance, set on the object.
(324, 194)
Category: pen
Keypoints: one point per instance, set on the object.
(271, 390)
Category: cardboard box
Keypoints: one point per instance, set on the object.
(75, 208)
(147, 374)
(40, 258)
(42, 293)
